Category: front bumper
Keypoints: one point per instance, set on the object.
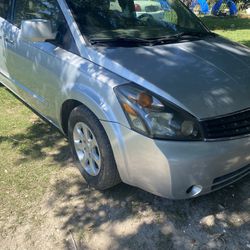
(170, 168)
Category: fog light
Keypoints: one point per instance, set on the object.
(194, 190)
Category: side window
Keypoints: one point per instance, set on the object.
(4, 8)
(49, 10)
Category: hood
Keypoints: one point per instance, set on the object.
(207, 77)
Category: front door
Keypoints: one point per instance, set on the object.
(35, 67)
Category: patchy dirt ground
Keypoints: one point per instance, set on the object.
(73, 216)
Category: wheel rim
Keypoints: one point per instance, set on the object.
(87, 149)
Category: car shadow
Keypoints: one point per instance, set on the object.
(211, 220)
(36, 138)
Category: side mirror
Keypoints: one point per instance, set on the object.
(36, 30)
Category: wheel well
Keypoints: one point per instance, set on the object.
(67, 107)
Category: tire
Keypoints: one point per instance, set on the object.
(91, 149)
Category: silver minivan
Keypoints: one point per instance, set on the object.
(156, 101)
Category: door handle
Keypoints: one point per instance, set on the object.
(10, 41)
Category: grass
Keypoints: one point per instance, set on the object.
(31, 151)
(28, 149)
(233, 28)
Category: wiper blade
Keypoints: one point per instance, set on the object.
(134, 41)
(180, 36)
(195, 34)
(164, 40)
(120, 40)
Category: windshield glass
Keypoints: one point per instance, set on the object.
(133, 19)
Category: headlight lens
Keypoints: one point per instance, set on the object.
(148, 114)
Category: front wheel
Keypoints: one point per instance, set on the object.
(91, 149)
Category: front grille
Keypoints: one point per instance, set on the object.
(233, 125)
(225, 180)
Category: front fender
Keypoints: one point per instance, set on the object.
(106, 106)
(108, 110)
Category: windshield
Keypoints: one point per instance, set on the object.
(106, 20)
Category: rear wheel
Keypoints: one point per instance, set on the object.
(91, 149)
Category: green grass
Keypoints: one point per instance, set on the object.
(30, 152)
(233, 28)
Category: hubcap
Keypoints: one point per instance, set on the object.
(87, 149)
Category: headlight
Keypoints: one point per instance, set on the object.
(154, 117)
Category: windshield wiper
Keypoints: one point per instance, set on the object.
(164, 40)
(134, 41)
(127, 42)
(194, 34)
(124, 41)
(187, 35)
